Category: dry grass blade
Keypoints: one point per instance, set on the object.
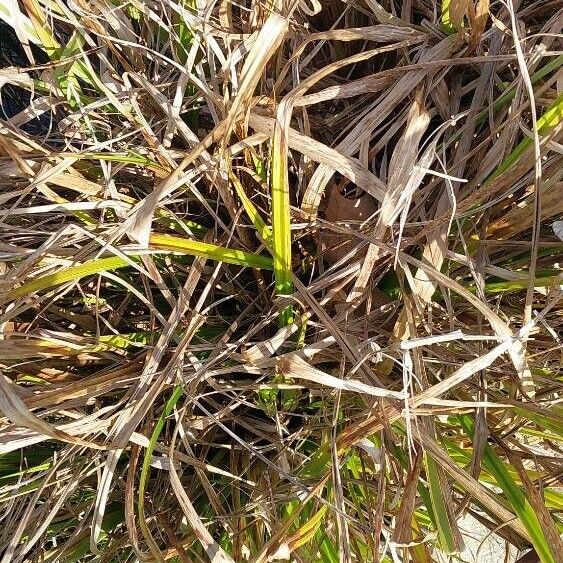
(15, 410)
(348, 166)
(267, 42)
(215, 553)
(400, 188)
(363, 130)
(296, 368)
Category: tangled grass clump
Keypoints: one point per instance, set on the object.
(280, 281)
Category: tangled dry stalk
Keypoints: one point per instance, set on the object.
(278, 280)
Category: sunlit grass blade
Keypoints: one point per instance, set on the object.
(327, 548)
(546, 123)
(164, 242)
(73, 273)
(507, 96)
(307, 531)
(211, 251)
(125, 158)
(518, 285)
(281, 221)
(551, 419)
(263, 230)
(446, 18)
(41, 27)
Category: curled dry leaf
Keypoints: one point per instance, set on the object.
(461, 11)
(479, 23)
(403, 180)
(373, 119)
(402, 164)
(475, 13)
(342, 209)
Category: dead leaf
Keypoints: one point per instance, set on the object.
(461, 10)
(339, 208)
(478, 23)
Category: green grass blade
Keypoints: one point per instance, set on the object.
(281, 222)
(508, 95)
(66, 275)
(212, 251)
(518, 285)
(445, 17)
(442, 517)
(124, 158)
(259, 166)
(328, 550)
(165, 242)
(173, 399)
(263, 230)
(550, 419)
(546, 123)
(514, 494)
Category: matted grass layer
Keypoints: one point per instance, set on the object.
(278, 281)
